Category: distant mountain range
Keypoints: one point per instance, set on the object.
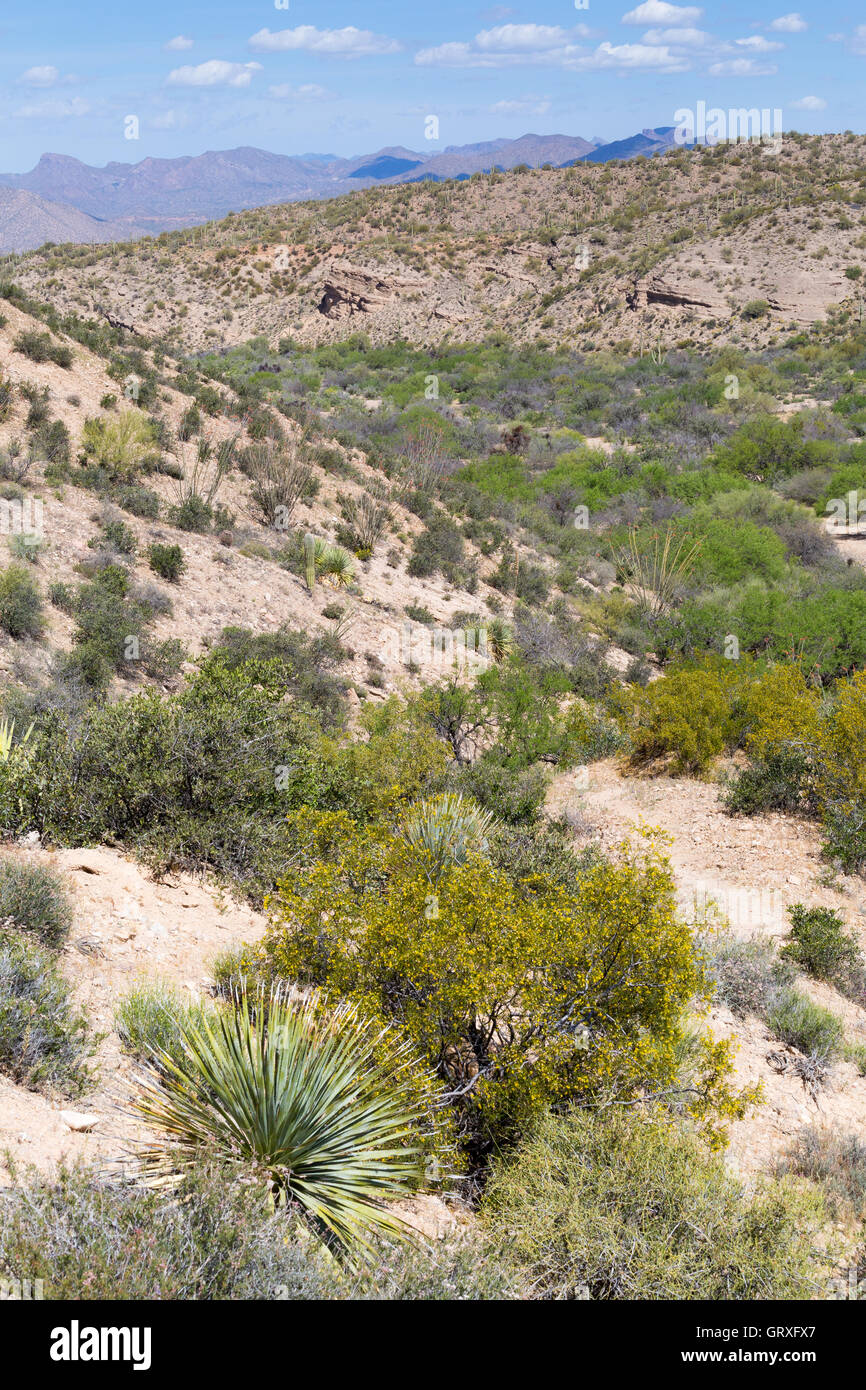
(63, 199)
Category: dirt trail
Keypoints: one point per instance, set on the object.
(753, 868)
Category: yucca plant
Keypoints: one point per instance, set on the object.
(499, 640)
(444, 830)
(297, 1095)
(338, 566)
(658, 573)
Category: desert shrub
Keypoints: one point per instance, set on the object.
(33, 899)
(44, 1041)
(51, 442)
(114, 534)
(820, 945)
(150, 1021)
(620, 1206)
(200, 777)
(807, 1026)
(842, 776)
(140, 501)
(192, 514)
(61, 595)
(777, 782)
(163, 660)
(21, 606)
(167, 561)
(110, 622)
(306, 666)
(438, 549)
(122, 445)
(765, 448)
(747, 975)
(26, 546)
(603, 1015)
(837, 1163)
(687, 716)
(86, 1236)
(366, 521)
(513, 797)
(41, 347)
(280, 479)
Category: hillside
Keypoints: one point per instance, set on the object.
(392, 612)
(700, 248)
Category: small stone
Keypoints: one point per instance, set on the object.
(79, 1122)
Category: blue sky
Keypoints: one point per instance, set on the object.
(347, 77)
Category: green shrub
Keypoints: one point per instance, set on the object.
(140, 501)
(438, 549)
(115, 535)
(33, 899)
(151, 1020)
(201, 777)
(780, 781)
(192, 514)
(167, 561)
(819, 943)
(21, 606)
(481, 937)
(88, 1237)
(837, 1163)
(41, 347)
(686, 716)
(622, 1206)
(44, 1042)
(812, 1029)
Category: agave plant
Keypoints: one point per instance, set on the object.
(7, 740)
(444, 830)
(298, 1095)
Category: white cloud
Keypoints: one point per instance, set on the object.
(858, 42)
(45, 76)
(757, 44)
(533, 45)
(789, 24)
(809, 104)
(632, 55)
(54, 110)
(660, 12)
(521, 38)
(309, 91)
(178, 44)
(340, 43)
(742, 67)
(526, 106)
(680, 38)
(215, 73)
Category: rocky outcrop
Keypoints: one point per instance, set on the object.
(350, 289)
(652, 289)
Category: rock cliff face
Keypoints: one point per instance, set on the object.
(350, 289)
(652, 289)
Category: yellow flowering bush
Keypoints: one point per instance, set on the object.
(520, 994)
